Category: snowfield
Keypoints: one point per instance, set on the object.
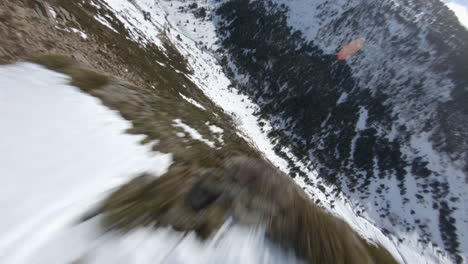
(62, 152)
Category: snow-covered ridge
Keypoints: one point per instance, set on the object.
(62, 152)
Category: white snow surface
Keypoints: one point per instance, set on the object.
(193, 133)
(460, 10)
(63, 151)
(216, 131)
(130, 13)
(79, 32)
(105, 23)
(233, 244)
(190, 100)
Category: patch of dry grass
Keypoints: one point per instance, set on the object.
(83, 78)
(151, 201)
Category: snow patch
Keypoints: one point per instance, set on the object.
(193, 133)
(460, 11)
(190, 100)
(52, 12)
(105, 23)
(81, 33)
(362, 121)
(217, 131)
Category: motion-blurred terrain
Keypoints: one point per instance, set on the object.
(152, 131)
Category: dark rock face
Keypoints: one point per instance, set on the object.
(202, 194)
(359, 121)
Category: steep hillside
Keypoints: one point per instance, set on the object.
(387, 126)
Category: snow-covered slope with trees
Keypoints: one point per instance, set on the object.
(387, 125)
(381, 154)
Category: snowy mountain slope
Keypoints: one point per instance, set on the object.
(51, 191)
(65, 151)
(196, 39)
(206, 26)
(386, 126)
